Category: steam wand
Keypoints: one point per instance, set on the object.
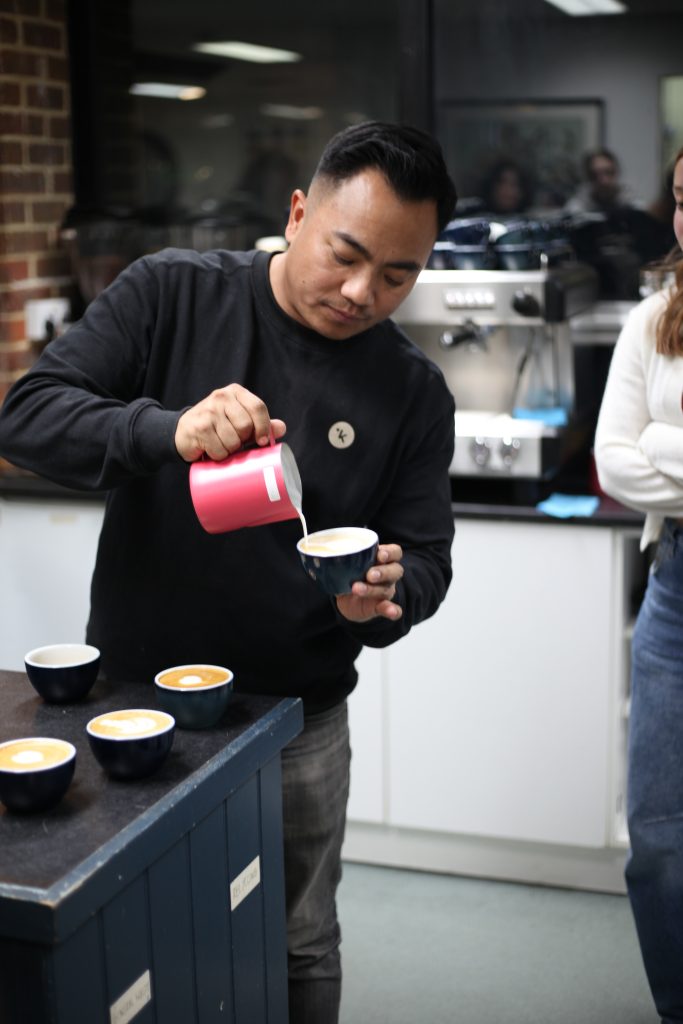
(468, 333)
(521, 366)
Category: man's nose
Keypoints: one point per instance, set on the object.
(359, 288)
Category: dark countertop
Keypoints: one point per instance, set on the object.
(46, 858)
(17, 483)
(609, 513)
(515, 500)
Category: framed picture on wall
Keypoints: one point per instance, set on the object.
(547, 138)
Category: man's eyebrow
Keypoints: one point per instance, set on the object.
(409, 265)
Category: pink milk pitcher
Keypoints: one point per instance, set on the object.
(251, 488)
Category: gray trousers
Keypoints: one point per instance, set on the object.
(315, 782)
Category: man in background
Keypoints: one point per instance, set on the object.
(613, 232)
(603, 190)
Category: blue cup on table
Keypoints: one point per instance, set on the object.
(196, 695)
(62, 672)
(131, 743)
(35, 772)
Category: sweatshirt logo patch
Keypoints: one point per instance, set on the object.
(341, 435)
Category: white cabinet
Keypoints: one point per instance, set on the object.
(366, 797)
(47, 554)
(501, 719)
(499, 708)
(632, 567)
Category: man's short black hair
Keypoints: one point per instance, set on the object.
(411, 161)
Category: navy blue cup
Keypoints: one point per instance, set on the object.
(131, 743)
(62, 672)
(467, 231)
(337, 558)
(196, 695)
(35, 772)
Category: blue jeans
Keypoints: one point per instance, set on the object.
(654, 872)
(315, 784)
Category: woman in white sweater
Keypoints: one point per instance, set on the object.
(639, 455)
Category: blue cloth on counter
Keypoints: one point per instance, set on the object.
(553, 417)
(564, 506)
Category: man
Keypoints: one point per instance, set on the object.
(189, 355)
(603, 191)
(616, 235)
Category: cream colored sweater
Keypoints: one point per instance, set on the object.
(639, 436)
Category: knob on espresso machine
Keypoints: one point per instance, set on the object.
(525, 303)
(480, 450)
(467, 333)
(509, 450)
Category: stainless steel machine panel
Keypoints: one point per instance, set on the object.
(502, 341)
(444, 297)
(491, 445)
(514, 298)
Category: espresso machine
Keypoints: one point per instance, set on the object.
(502, 341)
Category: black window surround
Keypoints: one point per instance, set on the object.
(100, 73)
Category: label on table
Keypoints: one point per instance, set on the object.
(132, 1001)
(247, 880)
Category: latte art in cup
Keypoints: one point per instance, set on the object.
(34, 754)
(336, 558)
(131, 743)
(334, 543)
(131, 723)
(197, 695)
(193, 677)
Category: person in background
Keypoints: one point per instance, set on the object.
(603, 190)
(506, 192)
(267, 180)
(189, 355)
(639, 457)
(611, 231)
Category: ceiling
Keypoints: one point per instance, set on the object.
(275, 22)
(521, 9)
(185, 23)
(539, 8)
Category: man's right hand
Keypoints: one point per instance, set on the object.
(222, 422)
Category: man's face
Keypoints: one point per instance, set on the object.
(604, 176)
(354, 254)
(507, 192)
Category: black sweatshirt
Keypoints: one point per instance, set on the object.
(99, 409)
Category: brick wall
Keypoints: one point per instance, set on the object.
(35, 168)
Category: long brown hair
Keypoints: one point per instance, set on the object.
(670, 324)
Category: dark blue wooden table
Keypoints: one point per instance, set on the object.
(160, 900)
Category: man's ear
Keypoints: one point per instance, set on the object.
(297, 209)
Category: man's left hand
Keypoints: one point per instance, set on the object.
(373, 596)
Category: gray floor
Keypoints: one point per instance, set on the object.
(421, 948)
